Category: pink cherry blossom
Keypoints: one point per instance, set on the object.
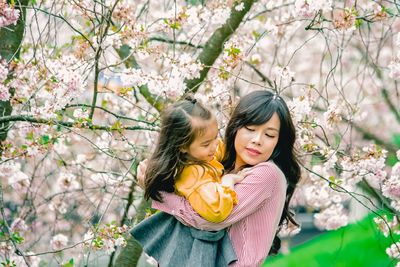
(394, 69)
(331, 218)
(59, 241)
(8, 14)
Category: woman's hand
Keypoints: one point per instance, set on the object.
(140, 172)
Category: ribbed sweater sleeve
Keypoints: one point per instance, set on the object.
(252, 194)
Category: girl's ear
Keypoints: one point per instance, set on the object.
(183, 150)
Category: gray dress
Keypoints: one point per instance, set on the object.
(173, 244)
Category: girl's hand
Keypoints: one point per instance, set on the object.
(244, 172)
(141, 170)
(231, 179)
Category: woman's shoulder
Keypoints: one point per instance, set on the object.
(266, 165)
(269, 169)
(270, 177)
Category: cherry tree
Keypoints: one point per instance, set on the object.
(82, 84)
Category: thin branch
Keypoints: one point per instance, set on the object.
(384, 91)
(334, 186)
(68, 23)
(168, 41)
(269, 10)
(97, 60)
(71, 124)
(112, 113)
(7, 228)
(263, 77)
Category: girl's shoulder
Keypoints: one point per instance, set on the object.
(192, 171)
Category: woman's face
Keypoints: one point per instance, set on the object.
(255, 143)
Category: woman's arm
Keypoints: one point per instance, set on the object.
(252, 192)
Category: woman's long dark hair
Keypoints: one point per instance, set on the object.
(257, 108)
(177, 132)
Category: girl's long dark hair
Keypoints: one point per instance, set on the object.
(257, 108)
(177, 132)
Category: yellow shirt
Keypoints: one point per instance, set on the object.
(201, 186)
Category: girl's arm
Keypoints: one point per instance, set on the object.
(252, 193)
(211, 200)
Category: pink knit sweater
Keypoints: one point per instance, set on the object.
(253, 222)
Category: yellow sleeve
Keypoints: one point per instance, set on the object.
(212, 201)
(220, 152)
(209, 199)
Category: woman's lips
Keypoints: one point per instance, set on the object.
(253, 151)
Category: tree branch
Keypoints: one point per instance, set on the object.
(384, 91)
(97, 60)
(130, 62)
(112, 113)
(214, 45)
(71, 124)
(259, 73)
(370, 136)
(168, 41)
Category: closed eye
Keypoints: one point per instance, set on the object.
(249, 129)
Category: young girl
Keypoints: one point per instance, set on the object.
(186, 161)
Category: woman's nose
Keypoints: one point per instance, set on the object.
(256, 138)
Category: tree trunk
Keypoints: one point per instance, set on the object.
(11, 39)
(129, 255)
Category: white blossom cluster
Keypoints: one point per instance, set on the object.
(308, 8)
(394, 66)
(391, 187)
(394, 250)
(48, 88)
(4, 90)
(282, 75)
(59, 241)
(18, 180)
(333, 115)
(200, 21)
(19, 225)
(8, 14)
(300, 109)
(106, 238)
(33, 261)
(67, 182)
(386, 225)
(319, 194)
(331, 218)
(171, 83)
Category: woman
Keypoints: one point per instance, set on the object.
(260, 135)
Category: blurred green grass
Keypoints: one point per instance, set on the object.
(359, 244)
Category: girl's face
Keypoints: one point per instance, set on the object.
(255, 143)
(204, 146)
